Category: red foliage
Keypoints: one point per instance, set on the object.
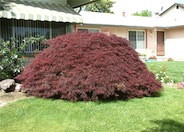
(88, 66)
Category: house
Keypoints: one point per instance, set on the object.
(161, 36)
(25, 18)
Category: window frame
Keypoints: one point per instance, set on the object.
(135, 30)
(85, 28)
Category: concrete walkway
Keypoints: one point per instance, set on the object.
(6, 98)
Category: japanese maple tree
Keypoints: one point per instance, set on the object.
(88, 66)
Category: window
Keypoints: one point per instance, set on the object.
(92, 30)
(5, 29)
(82, 30)
(21, 29)
(137, 39)
(26, 29)
(58, 29)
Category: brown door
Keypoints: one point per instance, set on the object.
(160, 43)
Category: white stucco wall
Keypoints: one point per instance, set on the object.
(174, 44)
(174, 48)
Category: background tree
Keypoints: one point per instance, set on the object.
(100, 6)
(145, 13)
(4, 5)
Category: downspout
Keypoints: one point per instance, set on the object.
(146, 39)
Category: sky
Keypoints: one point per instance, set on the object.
(132, 6)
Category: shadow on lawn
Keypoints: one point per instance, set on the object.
(166, 125)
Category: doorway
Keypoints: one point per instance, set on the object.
(160, 43)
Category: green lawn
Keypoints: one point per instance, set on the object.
(175, 69)
(165, 113)
(149, 114)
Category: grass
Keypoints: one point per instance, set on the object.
(165, 113)
(149, 114)
(175, 69)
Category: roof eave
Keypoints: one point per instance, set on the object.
(167, 9)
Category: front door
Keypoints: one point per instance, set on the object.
(160, 43)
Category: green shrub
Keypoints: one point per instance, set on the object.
(161, 74)
(11, 62)
(12, 58)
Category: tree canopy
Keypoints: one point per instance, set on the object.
(100, 6)
(4, 5)
(145, 13)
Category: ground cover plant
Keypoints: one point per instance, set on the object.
(89, 66)
(158, 114)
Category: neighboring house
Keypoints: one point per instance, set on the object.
(161, 36)
(174, 32)
(49, 18)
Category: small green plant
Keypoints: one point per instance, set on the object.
(11, 62)
(140, 54)
(161, 74)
